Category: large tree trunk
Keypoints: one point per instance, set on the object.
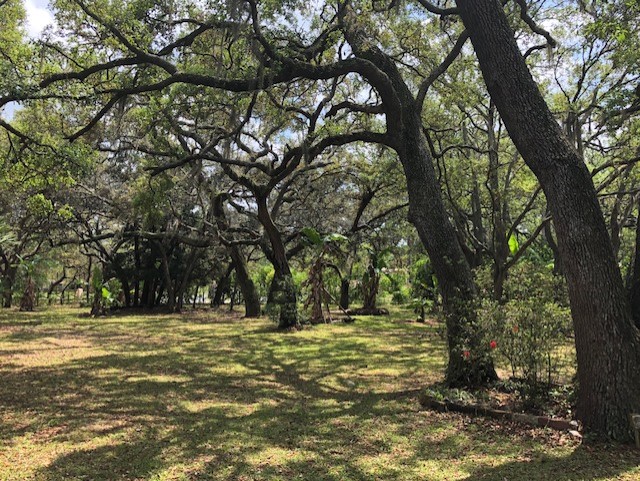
(370, 288)
(168, 282)
(344, 293)
(138, 264)
(150, 286)
(28, 301)
(634, 285)
(126, 293)
(247, 286)
(607, 342)
(146, 289)
(470, 361)
(283, 289)
(54, 284)
(222, 287)
(8, 281)
(284, 297)
(500, 242)
(124, 281)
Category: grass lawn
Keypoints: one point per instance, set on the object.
(209, 396)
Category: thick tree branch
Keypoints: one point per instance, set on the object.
(353, 107)
(442, 68)
(524, 15)
(430, 7)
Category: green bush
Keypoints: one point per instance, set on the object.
(112, 293)
(530, 329)
(423, 281)
(401, 295)
(396, 284)
(262, 278)
(386, 284)
(298, 278)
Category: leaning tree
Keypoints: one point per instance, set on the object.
(607, 341)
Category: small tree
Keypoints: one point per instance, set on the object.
(424, 287)
(98, 306)
(317, 300)
(33, 273)
(28, 301)
(378, 260)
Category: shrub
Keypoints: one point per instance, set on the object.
(262, 278)
(400, 295)
(112, 293)
(530, 328)
(423, 281)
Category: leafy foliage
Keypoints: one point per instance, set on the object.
(530, 329)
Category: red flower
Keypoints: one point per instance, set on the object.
(466, 354)
(493, 344)
(515, 329)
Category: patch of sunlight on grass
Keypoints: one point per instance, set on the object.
(206, 395)
(159, 378)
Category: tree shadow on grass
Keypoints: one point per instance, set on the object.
(104, 393)
(105, 463)
(585, 463)
(230, 403)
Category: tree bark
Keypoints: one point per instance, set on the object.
(126, 292)
(168, 282)
(146, 292)
(222, 286)
(429, 215)
(247, 286)
(344, 293)
(28, 301)
(8, 282)
(455, 281)
(607, 342)
(283, 289)
(500, 242)
(54, 284)
(634, 287)
(138, 264)
(370, 288)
